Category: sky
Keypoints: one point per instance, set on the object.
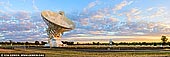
(95, 20)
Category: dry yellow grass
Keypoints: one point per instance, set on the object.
(57, 52)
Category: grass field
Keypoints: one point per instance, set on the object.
(60, 52)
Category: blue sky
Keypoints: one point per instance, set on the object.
(32, 5)
(95, 20)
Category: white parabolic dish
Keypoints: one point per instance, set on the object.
(58, 19)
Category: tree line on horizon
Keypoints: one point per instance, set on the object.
(164, 40)
(10, 42)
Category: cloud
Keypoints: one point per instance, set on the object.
(97, 16)
(91, 5)
(34, 6)
(97, 32)
(149, 9)
(121, 5)
(134, 13)
(84, 22)
(22, 15)
(113, 19)
(6, 5)
(21, 26)
(98, 22)
(159, 12)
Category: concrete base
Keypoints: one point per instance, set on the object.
(54, 43)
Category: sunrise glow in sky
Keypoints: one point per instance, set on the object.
(95, 20)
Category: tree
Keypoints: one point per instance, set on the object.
(43, 43)
(164, 39)
(26, 43)
(94, 43)
(155, 44)
(37, 43)
(98, 43)
(70, 43)
(77, 42)
(64, 42)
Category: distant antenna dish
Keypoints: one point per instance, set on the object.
(57, 24)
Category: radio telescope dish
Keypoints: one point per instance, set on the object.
(57, 24)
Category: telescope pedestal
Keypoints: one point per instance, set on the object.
(54, 43)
